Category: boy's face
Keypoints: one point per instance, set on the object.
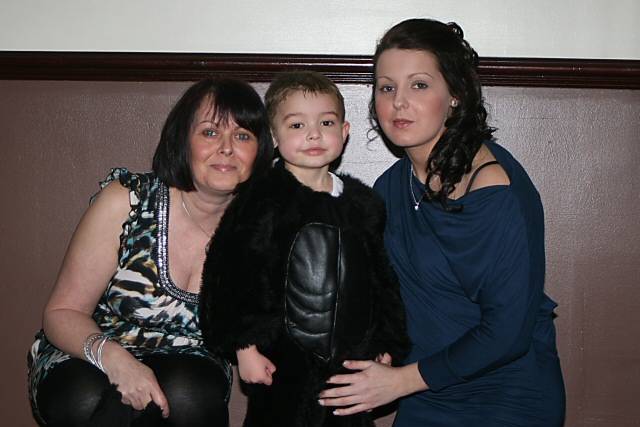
(308, 130)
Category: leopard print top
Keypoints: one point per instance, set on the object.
(142, 308)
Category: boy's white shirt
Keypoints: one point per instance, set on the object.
(338, 185)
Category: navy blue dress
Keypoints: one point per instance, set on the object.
(472, 283)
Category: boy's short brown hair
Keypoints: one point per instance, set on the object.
(306, 82)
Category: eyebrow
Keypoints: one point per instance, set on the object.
(287, 116)
(216, 124)
(410, 75)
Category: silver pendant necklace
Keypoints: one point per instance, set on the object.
(416, 202)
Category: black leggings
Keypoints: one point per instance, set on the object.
(76, 393)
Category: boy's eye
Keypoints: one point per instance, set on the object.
(420, 85)
(295, 125)
(209, 132)
(327, 123)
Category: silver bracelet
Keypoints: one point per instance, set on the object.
(99, 354)
(95, 359)
(87, 347)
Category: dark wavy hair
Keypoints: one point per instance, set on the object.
(466, 127)
(229, 99)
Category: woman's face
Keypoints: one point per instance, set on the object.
(412, 99)
(222, 154)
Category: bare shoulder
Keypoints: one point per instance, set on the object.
(487, 175)
(106, 213)
(114, 192)
(111, 200)
(91, 258)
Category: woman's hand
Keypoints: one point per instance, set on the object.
(374, 385)
(134, 380)
(253, 367)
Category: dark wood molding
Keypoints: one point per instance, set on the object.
(112, 66)
(561, 72)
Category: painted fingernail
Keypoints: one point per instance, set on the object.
(320, 402)
(336, 412)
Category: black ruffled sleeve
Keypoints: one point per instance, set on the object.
(389, 329)
(390, 334)
(239, 306)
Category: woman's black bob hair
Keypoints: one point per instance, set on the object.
(229, 100)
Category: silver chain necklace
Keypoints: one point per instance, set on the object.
(194, 221)
(416, 202)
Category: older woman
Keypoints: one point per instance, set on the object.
(121, 342)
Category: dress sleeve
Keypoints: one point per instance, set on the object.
(508, 294)
(240, 306)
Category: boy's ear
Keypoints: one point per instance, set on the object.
(345, 130)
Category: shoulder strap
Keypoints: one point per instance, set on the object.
(475, 173)
(139, 184)
(122, 175)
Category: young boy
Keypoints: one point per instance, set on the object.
(297, 279)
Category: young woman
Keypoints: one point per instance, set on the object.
(465, 233)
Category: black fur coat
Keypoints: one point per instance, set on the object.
(243, 293)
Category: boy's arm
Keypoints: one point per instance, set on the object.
(390, 333)
(239, 305)
(253, 367)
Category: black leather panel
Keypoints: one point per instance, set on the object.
(327, 298)
(311, 287)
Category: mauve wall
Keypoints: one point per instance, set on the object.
(581, 148)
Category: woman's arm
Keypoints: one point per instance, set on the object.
(89, 263)
(508, 297)
(509, 307)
